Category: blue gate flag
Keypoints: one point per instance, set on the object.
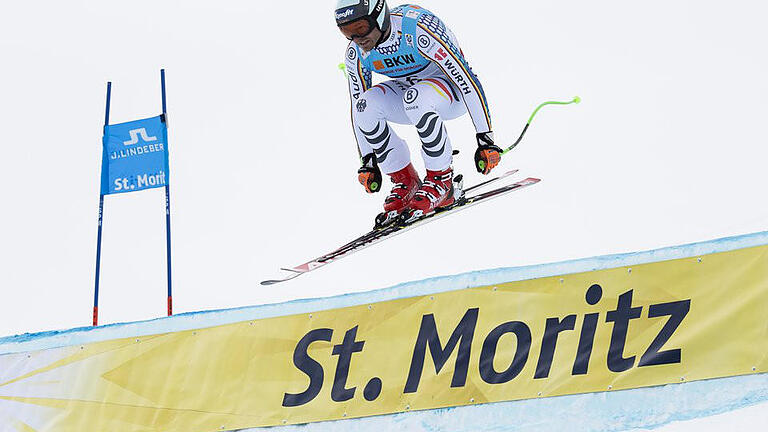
(135, 156)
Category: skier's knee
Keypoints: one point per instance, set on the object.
(415, 104)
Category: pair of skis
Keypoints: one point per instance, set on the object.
(380, 234)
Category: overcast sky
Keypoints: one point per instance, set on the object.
(668, 146)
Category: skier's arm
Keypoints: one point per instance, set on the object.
(359, 80)
(435, 44)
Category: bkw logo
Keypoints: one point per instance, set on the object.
(394, 61)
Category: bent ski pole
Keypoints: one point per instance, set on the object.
(525, 129)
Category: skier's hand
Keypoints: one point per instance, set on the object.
(369, 174)
(488, 154)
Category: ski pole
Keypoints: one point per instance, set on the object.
(525, 129)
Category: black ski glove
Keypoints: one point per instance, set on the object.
(369, 174)
(488, 154)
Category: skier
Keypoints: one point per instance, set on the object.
(430, 82)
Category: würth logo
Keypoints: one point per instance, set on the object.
(136, 133)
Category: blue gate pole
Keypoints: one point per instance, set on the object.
(101, 218)
(167, 202)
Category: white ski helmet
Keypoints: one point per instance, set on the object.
(376, 12)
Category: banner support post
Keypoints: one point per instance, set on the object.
(101, 219)
(167, 203)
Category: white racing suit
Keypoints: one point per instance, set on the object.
(431, 82)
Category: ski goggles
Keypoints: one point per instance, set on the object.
(357, 29)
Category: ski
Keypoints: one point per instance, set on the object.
(379, 234)
(372, 233)
(491, 180)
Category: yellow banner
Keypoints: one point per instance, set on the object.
(652, 324)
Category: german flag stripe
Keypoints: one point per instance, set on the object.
(469, 74)
(437, 89)
(445, 90)
(361, 75)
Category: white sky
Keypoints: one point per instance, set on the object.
(668, 147)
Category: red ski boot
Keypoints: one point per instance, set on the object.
(435, 192)
(406, 183)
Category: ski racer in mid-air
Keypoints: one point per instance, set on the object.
(430, 82)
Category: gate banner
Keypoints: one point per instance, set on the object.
(135, 156)
(596, 331)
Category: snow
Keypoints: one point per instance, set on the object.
(671, 406)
